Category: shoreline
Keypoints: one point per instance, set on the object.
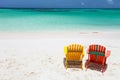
(61, 34)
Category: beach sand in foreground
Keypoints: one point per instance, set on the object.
(37, 56)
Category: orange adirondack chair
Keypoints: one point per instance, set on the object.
(97, 54)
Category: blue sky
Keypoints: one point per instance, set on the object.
(60, 3)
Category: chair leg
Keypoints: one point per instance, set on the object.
(87, 64)
(66, 64)
(103, 64)
(103, 68)
(81, 66)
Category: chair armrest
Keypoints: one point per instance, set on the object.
(65, 50)
(83, 53)
(107, 54)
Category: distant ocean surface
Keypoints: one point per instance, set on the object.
(18, 20)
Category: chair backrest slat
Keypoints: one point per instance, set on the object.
(97, 50)
(74, 52)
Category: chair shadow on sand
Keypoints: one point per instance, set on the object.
(95, 66)
(72, 64)
(92, 66)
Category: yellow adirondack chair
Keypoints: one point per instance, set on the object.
(74, 52)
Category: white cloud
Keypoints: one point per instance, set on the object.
(110, 1)
(82, 3)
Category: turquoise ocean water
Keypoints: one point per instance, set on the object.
(59, 19)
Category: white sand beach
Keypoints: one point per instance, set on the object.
(39, 56)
